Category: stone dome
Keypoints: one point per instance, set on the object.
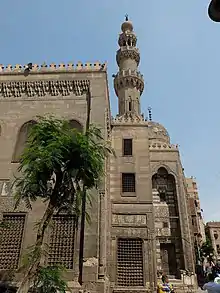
(157, 132)
(127, 26)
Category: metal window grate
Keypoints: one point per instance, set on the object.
(10, 240)
(127, 147)
(62, 241)
(130, 262)
(128, 182)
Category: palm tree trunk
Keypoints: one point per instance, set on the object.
(83, 208)
(33, 266)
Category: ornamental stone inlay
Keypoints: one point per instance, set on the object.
(132, 220)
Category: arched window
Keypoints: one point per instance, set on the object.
(160, 178)
(21, 140)
(75, 124)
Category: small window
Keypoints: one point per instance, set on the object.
(128, 182)
(127, 147)
(129, 106)
(165, 225)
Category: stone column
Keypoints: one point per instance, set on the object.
(102, 231)
(184, 225)
(152, 251)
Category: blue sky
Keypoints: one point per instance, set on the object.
(180, 61)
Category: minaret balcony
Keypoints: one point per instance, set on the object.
(129, 79)
(127, 39)
(128, 52)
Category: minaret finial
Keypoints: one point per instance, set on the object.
(126, 17)
(149, 113)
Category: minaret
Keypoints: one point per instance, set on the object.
(128, 82)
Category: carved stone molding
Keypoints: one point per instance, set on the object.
(163, 147)
(131, 290)
(131, 118)
(41, 88)
(108, 124)
(129, 78)
(128, 53)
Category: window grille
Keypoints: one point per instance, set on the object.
(11, 234)
(130, 262)
(128, 182)
(62, 241)
(127, 147)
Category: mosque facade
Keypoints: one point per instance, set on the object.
(140, 224)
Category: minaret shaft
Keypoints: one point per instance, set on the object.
(128, 82)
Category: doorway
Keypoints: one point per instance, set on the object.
(168, 259)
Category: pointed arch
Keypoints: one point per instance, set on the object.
(21, 140)
(164, 182)
(76, 124)
(159, 165)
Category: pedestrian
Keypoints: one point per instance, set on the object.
(166, 286)
(211, 286)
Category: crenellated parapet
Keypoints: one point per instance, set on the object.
(163, 147)
(36, 68)
(128, 52)
(129, 118)
(41, 88)
(129, 78)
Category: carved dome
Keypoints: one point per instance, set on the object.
(127, 26)
(157, 132)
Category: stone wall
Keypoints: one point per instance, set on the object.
(63, 93)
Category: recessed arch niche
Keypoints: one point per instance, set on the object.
(76, 125)
(171, 252)
(22, 138)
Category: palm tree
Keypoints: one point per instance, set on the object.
(58, 166)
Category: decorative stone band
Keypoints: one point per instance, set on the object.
(129, 78)
(97, 66)
(139, 290)
(128, 53)
(163, 147)
(41, 88)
